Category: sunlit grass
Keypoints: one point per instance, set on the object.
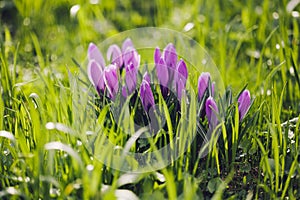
(48, 110)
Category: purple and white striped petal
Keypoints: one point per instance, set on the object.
(162, 72)
(146, 77)
(131, 77)
(211, 111)
(170, 56)
(95, 54)
(127, 44)
(115, 55)
(181, 72)
(146, 96)
(111, 80)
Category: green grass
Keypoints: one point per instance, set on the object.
(47, 108)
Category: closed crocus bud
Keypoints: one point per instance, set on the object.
(146, 96)
(203, 84)
(127, 44)
(130, 77)
(170, 56)
(182, 69)
(211, 111)
(157, 55)
(115, 55)
(95, 75)
(95, 54)
(244, 102)
(162, 72)
(111, 80)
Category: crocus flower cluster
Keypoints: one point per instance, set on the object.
(171, 73)
(104, 77)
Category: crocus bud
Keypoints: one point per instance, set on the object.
(157, 55)
(130, 77)
(162, 72)
(111, 80)
(203, 84)
(127, 44)
(146, 96)
(182, 69)
(95, 75)
(115, 55)
(170, 56)
(211, 110)
(244, 102)
(95, 54)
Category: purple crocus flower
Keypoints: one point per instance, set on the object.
(127, 44)
(203, 84)
(111, 80)
(170, 56)
(115, 55)
(182, 70)
(162, 72)
(95, 75)
(180, 77)
(244, 102)
(130, 55)
(95, 54)
(146, 96)
(130, 77)
(211, 110)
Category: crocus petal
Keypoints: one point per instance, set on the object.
(146, 95)
(202, 84)
(170, 56)
(94, 72)
(131, 56)
(95, 54)
(180, 88)
(157, 55)
(146, 77)
(126, 44)
(182, 69)
(130, 77)
(162, 72)
(211, 110)
(244, 102)
(111, 80)
(115, 55)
